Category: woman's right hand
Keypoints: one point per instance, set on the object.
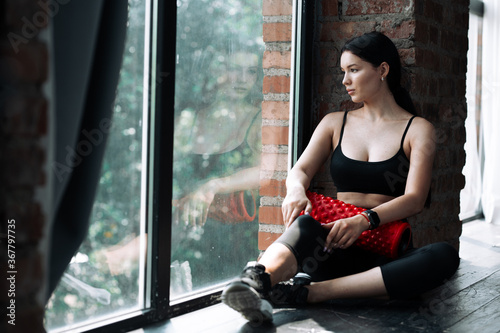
(294, 203)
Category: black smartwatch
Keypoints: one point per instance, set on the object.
(373, 217)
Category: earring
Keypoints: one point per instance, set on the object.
(382, 78)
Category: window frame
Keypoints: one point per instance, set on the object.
(162, 65)
(301, 119)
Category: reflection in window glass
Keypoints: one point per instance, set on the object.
(217, 143)
(105, 278)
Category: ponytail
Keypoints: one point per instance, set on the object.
(403, 98)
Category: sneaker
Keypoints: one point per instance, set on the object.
(292, 292)
(246, 294)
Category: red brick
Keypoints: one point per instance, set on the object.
(29, 319)
(363, 7)
(277, 32)
(407, 56)
(29, 281)
(270, 215)
(427, 236)
(446, 63)
(453, 41)
(43, 117)
(446, 87)
(330, 7)
(275, 135)
(277, 59)
(15, 10)
(272, 188)
(276, 84)
(434, 34)
(266, 239)
(28, 65)
(355, 7)
(433, 87)
(276, 110)
(25, 116)
(403, 30)
(433, 11)
(274, 162)
(460, 19)
(277, 7)
(349, 105)
(326, 84)
(460, 87)
(329, 58)
(24, 169)
(325, 108)
(341, 31)
(28, 216)
(421, 32)
(427, 59)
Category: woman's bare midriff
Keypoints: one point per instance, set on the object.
(363, 200)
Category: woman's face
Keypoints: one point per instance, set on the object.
(361, 79)
(241, 75)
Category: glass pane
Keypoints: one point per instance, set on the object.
(217, 143)
(106, 277)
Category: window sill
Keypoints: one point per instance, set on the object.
(216, 318)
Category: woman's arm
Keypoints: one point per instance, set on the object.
(193, 208)
(311, 160)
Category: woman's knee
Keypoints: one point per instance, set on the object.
(306, 227)
(303, 236)
(441, 259)
(445, 257)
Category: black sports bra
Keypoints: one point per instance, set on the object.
(384, 177)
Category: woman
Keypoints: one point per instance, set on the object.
(382, 159)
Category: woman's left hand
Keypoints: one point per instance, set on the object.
(344, 232)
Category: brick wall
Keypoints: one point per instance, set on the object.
(438, 87)
(23, 150)
(277, 34)
(432, 39)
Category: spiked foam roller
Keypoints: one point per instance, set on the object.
(389, 239)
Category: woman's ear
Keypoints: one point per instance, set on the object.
(384, 69)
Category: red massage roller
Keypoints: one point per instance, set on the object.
(389, 239)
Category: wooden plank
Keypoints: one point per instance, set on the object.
(485, 320)
(448, 310)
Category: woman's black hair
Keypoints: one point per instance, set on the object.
(376, 48)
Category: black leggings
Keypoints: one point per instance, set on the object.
(416, 271)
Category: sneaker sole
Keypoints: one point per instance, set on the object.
(244, 299)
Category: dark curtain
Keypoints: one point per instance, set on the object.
(88, 43)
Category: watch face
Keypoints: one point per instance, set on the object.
(374, 219)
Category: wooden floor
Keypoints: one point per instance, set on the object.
(469, 302)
